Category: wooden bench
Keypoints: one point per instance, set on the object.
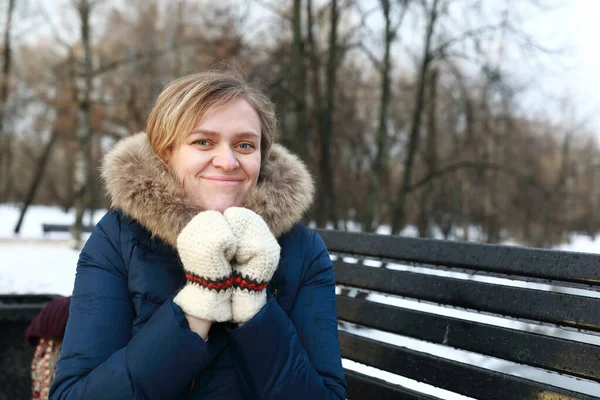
(539, 326)
(46, 228)
(16, 312)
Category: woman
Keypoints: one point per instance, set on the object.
(201, 284)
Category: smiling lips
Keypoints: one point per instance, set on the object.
(223, 180)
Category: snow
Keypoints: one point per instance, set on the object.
(582, 244)
(32, 262)
(34, 218)
(34, 268)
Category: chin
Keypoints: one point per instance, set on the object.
(220, 206)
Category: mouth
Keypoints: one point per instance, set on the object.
(223, 180)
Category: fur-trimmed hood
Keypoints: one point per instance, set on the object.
(139, 185)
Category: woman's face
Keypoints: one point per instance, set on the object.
(219, 161)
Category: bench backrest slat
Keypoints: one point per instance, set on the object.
(367, 387)
(544, 306)
(464, 379)
(544, 264)
(64, 228)
(555, 354)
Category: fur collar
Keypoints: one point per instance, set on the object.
(140, 186)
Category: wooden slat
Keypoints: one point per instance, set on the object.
(456, 377)
(511, 260)
(368, 388)
(555, 354)
(26, 307)
(557, 308)
(26, 298)
(26, 312)
(64, 228)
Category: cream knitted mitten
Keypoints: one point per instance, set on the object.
(255, 262)
(206, 246)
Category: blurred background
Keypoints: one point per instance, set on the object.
(454, 119)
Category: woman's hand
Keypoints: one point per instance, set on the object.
(255, 262)
(206, 246)
(200, 326)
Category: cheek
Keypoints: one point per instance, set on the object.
(254, 170)
(192, 165)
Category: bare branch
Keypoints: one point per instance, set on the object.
(482, 165)
(59, 39)
(405, 4)
(465, 35)
(275, 10)
(141, 56)
(371, 56)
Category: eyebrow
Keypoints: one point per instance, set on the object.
(246, 134)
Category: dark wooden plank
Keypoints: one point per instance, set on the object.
(26, 298)
(366, 387)
(18, 312)
(556, 308)
(512, 260)
(64, 228)
(22, 307)
(555, 354)
(456, 377)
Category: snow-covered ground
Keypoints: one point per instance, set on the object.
(32, 262)
(36, 263)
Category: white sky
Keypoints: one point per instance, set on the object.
(575, 74)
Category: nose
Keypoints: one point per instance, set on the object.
(225, 159)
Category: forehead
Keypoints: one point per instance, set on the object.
(236, 115)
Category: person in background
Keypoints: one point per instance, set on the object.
(201, 283)
(45, 335)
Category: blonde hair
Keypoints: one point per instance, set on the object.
(185, 101)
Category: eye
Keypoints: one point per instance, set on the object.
(202, 142)
(246, 146)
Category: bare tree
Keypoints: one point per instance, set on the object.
(83, 84)
(299, 83)
(5, 136)
(37, 179)
(384, 68)
(431, 155)
(398, 209)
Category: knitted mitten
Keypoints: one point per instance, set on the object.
(255, 262)
(206, 245)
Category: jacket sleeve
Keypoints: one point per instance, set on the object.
(295, 356)
(99, 358)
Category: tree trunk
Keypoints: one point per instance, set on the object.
(431, 157)
(83, 85)
(5, 139)
(328, 190)
(299, 84)
(179, 38)
(379, 165)
(398, 209)
(315, 74)
(465, 188)
(93, 182)
(325, 202)
(37, 179)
